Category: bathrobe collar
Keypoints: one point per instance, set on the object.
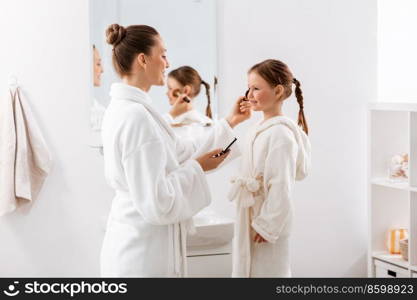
(262, 125)
(304, 147)
(122, 91)
(193, 116)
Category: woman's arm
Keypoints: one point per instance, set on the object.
(159, 196)
(220, 136)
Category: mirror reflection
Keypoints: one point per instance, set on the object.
(160, 136)
(190, 37)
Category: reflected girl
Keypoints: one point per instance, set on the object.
(184, 85)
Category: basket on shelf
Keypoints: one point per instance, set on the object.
(404, 248)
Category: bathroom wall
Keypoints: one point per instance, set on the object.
(45, 44)
(397, 48)
(331, 47)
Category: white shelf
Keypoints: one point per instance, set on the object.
(404, 185)
(392, 129)
(394, 259)
(392, 106)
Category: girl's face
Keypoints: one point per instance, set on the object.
(174, 87)
(157, 63)
(261, 95)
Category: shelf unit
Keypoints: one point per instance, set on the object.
(392, 129)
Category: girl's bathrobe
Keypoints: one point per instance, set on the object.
(276, 153)
(158, 187)
(190, 124)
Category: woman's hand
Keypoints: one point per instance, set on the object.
(259, 239)
(241, 111)
(209, 162)
(180, 106)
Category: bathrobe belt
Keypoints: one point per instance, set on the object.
(180, 251)
(243, 190)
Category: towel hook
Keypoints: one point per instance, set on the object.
(13, 81)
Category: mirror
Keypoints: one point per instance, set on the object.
(189, 31)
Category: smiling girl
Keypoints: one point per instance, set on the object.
(276, 154)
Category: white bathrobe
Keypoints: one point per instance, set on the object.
(190, 124)
(158, 187)
(25, 160)
(96, 115)
(276, 153)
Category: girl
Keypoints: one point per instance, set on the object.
(276, 154)
(158, 183)
(185, 83)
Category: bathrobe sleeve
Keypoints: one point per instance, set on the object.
(164, 197)
(168, 118)
(279, 178)
(221, 136)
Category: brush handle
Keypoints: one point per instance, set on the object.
(246, 96)
(226, 149)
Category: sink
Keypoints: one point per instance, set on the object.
(212, 230)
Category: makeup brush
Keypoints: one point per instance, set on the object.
(177, 94)
(226, 149)
(246, 96)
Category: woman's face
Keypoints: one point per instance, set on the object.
(157, 63)
(173, 88)
(261, 95)
(97, 67)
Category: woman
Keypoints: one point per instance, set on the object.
(184, 85)
(158, 183)
(276, 154)
(97, 109)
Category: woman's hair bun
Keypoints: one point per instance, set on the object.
(115, 34)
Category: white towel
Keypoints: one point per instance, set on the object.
(7, 155)
(24, 158)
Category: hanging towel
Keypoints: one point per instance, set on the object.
(7, 155)
(24, 157)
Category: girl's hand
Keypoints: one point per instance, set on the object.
(180, 106)
(259, 239)
(241, 111)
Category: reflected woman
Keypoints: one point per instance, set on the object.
(97, 109)
(184, 85)
(97, 67)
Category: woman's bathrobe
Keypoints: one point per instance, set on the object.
(276, 153)
(158, 187)
(191, 125)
